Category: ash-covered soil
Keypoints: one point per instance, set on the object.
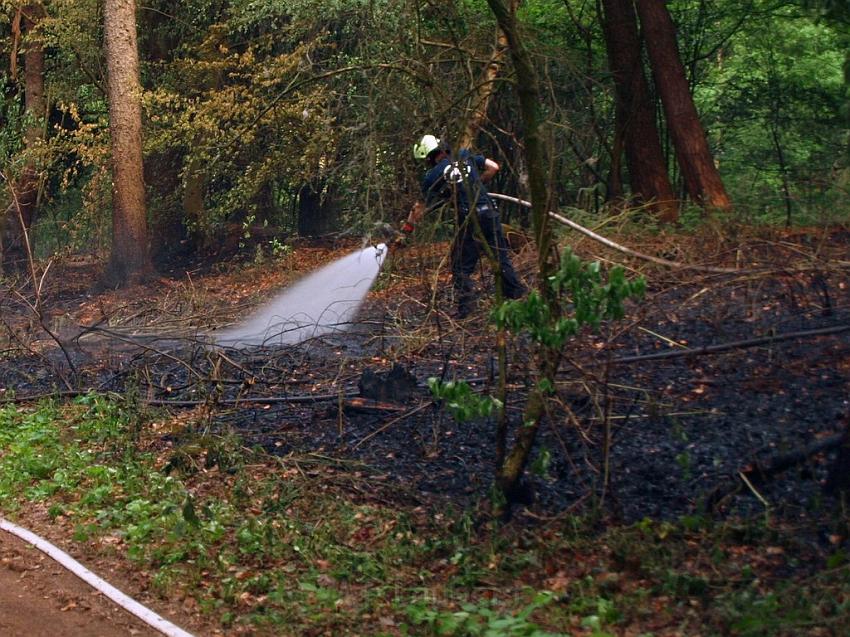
(681, 429)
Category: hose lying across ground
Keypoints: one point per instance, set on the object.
(127, 603)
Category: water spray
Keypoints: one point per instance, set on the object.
(322, 302)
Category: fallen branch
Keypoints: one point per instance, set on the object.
(257, 400)
(759, 472)
(34, 398)
(382, 429)
(706, 350)
(358, 404)
(621, 248)
(136, 343)
(722, 347)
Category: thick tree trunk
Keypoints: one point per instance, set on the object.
(130, 257)
(635, 113)
(702, 180)
(21, 210)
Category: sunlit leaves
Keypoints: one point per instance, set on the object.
(243, 118)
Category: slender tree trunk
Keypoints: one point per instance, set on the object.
(635, 112)
(130, 257)
(702, 179)
(783, 171)
(21, 210)
(509, 474)
(483, 92)
(528, 91)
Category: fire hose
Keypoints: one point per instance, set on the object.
(124, 601)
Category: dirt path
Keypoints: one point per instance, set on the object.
(39, 598)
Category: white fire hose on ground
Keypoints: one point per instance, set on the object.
(124, 601)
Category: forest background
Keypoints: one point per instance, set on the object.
(301, 115)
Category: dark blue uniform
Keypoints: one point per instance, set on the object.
(457, 180)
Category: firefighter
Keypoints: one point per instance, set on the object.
(458, 180)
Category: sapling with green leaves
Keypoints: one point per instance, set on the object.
(577, 295)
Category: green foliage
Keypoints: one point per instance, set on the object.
(541, 463)
(480, 620)
(238, 539)
(602, 613)
(216, 108)
(774, 99)
(580, 298)
(246, 101)
(834, 10)
(12, 114)
(577, 296)
(461, 401)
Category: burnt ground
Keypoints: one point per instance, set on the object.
(682, 428)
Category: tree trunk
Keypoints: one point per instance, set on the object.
(528, 92)
(509, 474)
(702, 180)
(635, 113)
(483, 92)
(783, 172)
(21, 210)
(130, 257)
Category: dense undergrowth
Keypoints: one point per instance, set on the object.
(285, 546)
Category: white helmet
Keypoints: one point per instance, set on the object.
(425, 146)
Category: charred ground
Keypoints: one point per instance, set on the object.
(683, 427)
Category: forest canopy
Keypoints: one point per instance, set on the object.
(301, 115)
